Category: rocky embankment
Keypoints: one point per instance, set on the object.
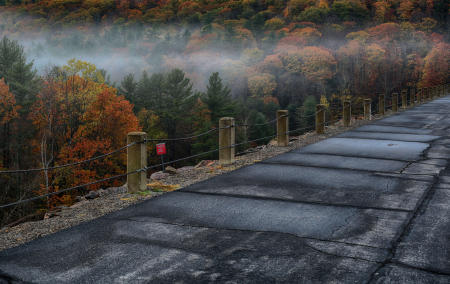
(104, 201)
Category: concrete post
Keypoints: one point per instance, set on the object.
(394, 102)
(419, 95)
(425, 94)
(412, 96)
(367, 108)
(404, 100)
(226, 140)
(282, 128)
(381, 107)
(137, 159)
(347, 113)
(320, 119)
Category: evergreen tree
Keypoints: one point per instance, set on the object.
(306, 112)
(128, 87)
(218, 99)
(18, 74)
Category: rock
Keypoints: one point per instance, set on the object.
(59, 208)
(273, 142)
(92, 195)
(80, 198)
(170, 170)
(205, 163)
(102, 192)
(159, 175)
(185, 169)
(49, 215)
(117, 190)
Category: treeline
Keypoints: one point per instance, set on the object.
(256, 15)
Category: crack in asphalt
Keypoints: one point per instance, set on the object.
(405, 229)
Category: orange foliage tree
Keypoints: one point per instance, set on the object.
(8, 111)
(436, 66)
(78, 119)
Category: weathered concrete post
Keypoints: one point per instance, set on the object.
(367, 108)
(425, 94)
(347, 113)
(419, 95)
(381, 107)
(136, 160)
(394, 102)
(226, 140)
(404, 100)
(320, 119)
(282, 128)
(412, 96)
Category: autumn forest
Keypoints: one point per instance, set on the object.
(77, 76)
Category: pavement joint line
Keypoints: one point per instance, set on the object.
(252, 197)
(381, 139)
(402, 125)
(371, 158)
(270, 232)
(348, 169)
(405, 229)
(350, 156)
(386, 132)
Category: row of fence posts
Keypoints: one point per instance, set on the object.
(137, 153)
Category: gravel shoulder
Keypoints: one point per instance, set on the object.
(113, 199)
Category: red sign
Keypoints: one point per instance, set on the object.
(161, 148)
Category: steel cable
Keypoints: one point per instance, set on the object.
(70, 164)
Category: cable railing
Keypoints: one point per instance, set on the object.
(69, 164)
(145, 169)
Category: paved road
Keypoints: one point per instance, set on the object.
(371, 205)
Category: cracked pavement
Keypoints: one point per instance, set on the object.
(367, 206)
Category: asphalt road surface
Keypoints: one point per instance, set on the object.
(371, 205)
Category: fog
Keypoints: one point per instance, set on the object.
(120, 51)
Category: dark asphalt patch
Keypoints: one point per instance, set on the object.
(351, 225)
(124, 251)
(392, 129)
(310, 184)
(339, 162)
(365, 148)
(389, 136)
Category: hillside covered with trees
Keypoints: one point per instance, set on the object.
(172, 68)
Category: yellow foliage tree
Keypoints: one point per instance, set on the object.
(262, 85)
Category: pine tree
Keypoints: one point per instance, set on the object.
(218, 99)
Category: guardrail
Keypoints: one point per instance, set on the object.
(137, 167)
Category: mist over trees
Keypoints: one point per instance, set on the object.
(76, 76)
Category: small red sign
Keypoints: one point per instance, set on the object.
(161, 148)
